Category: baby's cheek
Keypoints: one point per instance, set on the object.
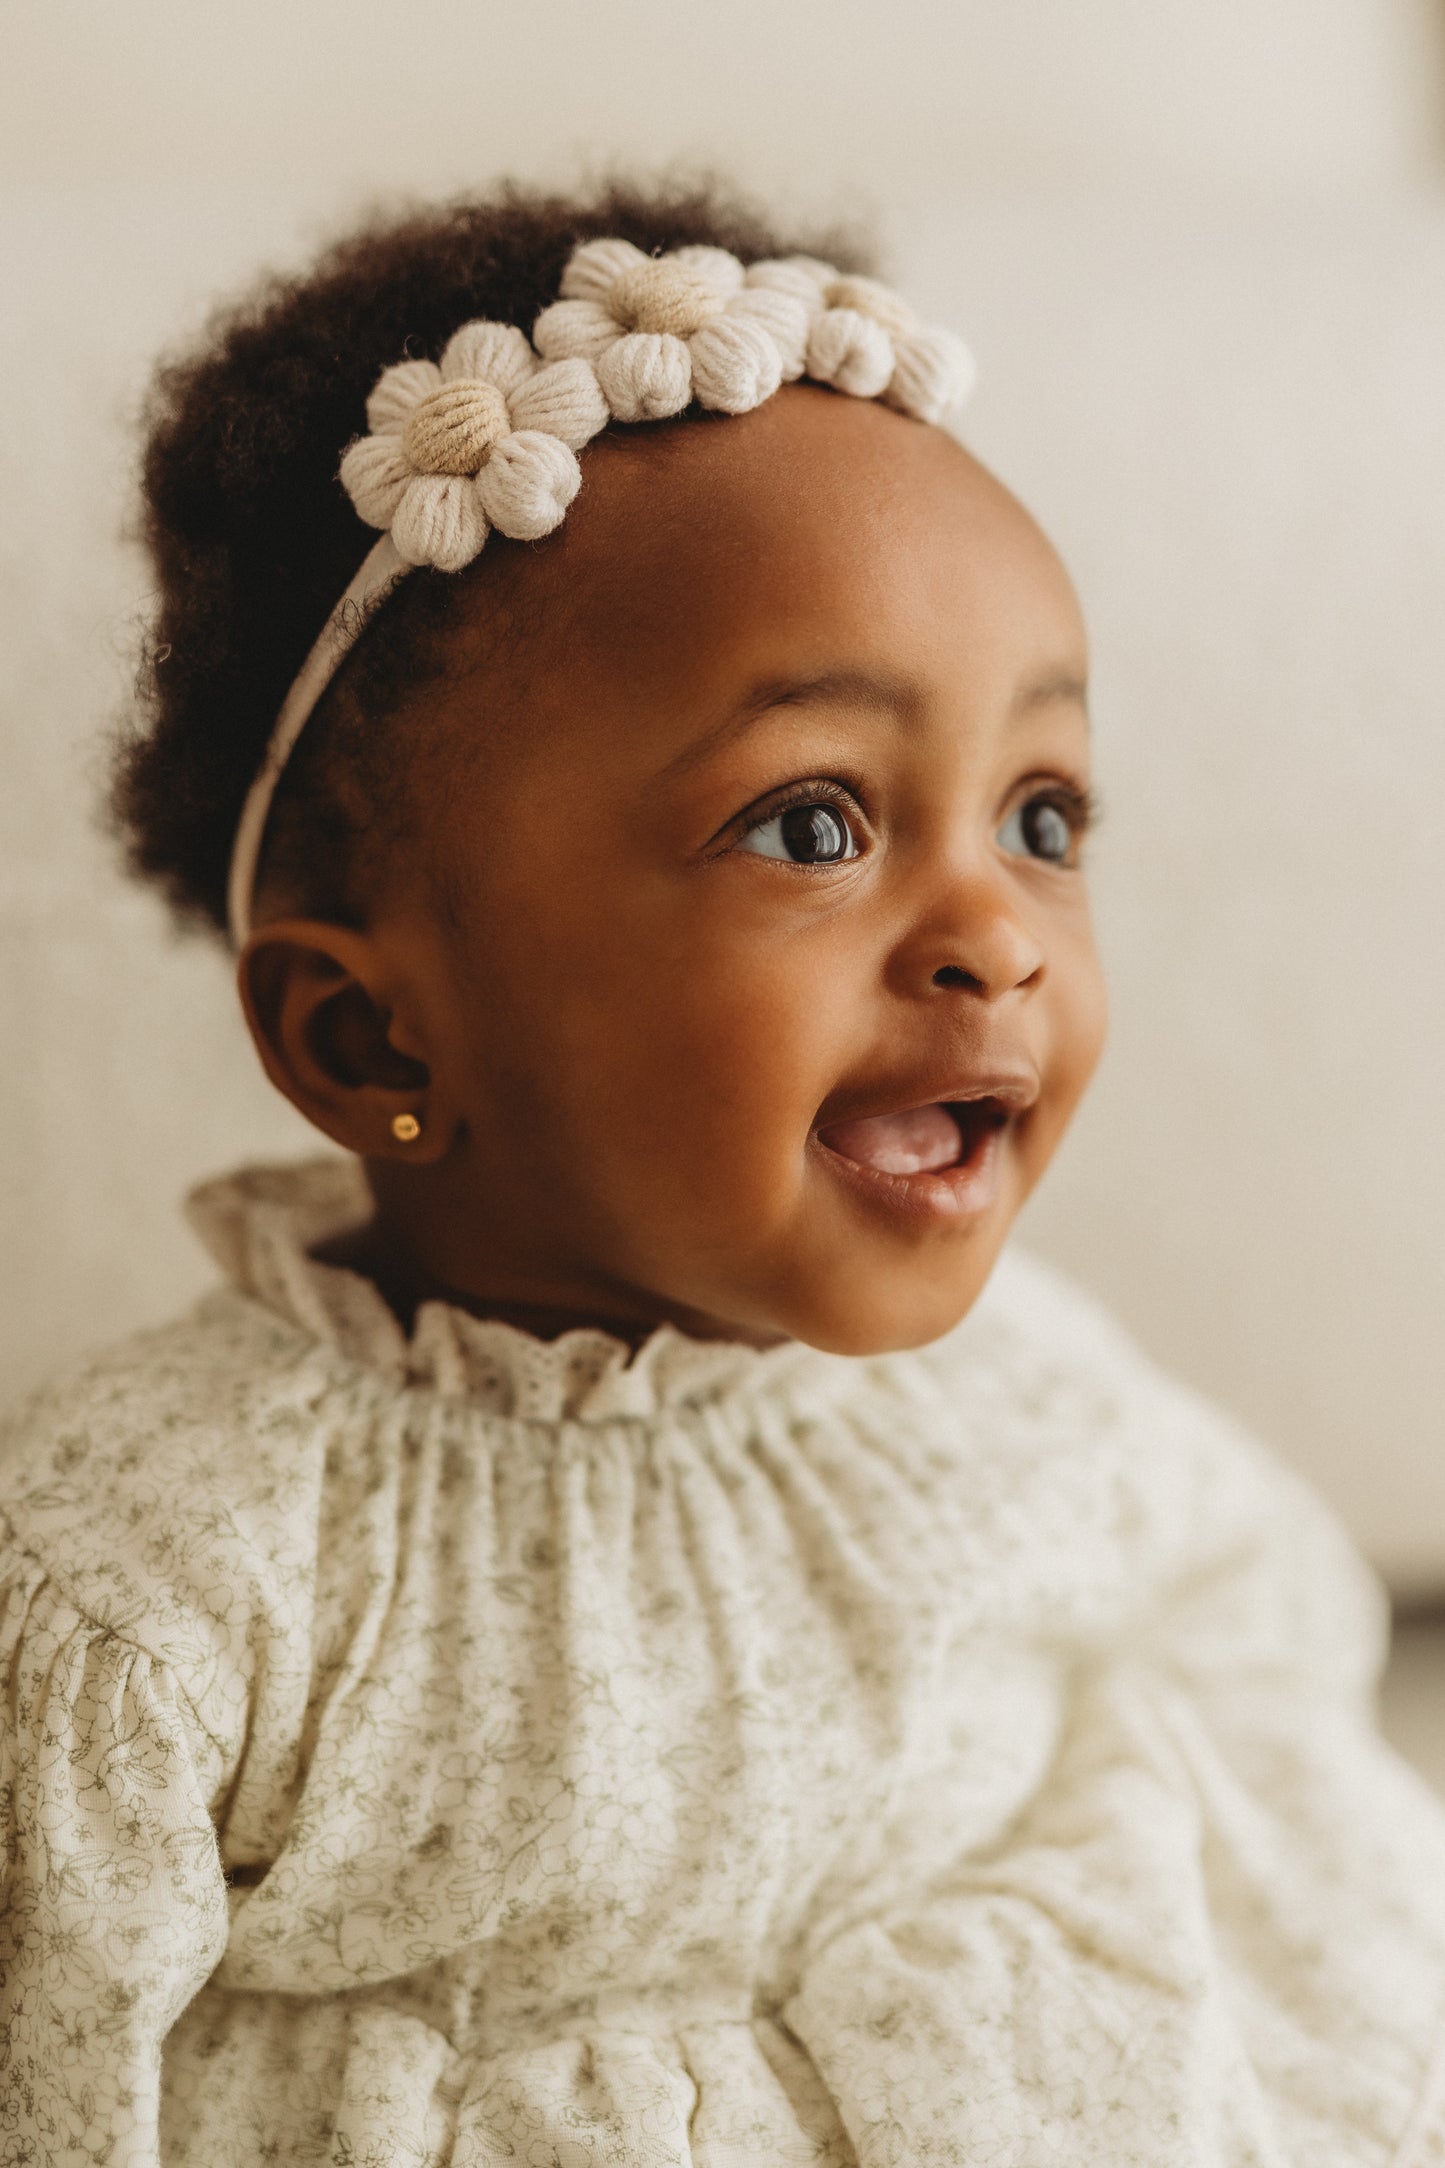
(1077, 1024)
(722, 1086)
(736, 1122)
(1084, 1019)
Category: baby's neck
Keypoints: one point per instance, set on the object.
(405, 1284)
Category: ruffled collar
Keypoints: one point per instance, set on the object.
(261, 1223)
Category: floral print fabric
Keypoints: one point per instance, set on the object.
(455, 1749)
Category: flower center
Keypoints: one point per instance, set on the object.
(453, 429)
(663, 297)
(870, 299)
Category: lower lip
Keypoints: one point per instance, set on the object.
(960, 1192)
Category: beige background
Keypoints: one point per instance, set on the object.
(1201, 252)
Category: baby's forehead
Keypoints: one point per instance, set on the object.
(817, 531)
(822, 557)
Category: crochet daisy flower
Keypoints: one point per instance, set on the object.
(487, 437)
(662, 331)
(866, 340)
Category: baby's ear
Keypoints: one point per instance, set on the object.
(325, 1026)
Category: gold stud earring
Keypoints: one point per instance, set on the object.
(405, 1128)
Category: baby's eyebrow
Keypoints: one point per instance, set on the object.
(856, 689)
(1056, 687)
(859, 690)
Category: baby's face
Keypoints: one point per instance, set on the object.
(765, 986)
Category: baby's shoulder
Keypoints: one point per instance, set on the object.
(1038, 1359)
(168, 1488)
(1086, 1434)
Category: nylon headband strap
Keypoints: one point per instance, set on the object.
(380, 571)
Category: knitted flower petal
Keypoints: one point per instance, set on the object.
(870, 297)
(528, 483)
(440, 522)
(574, 327)
(785, 317)
(593, 267)
(735, 364)
(851, 352)
(791, 275)
(646, 376)
(934, 373)
(397, 391)
(497, 353)
(717, 267)
(564, 399)
(813, 267)
(374, 474)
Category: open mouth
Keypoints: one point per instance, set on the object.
(920, 1140)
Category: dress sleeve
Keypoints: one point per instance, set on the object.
(113, 1906)
(1215, 1936)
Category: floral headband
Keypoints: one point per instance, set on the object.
(489, 435)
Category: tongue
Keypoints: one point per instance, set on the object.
(918, 1142)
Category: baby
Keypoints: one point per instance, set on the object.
(624, 1635)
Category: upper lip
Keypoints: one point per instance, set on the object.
(1014, 1087)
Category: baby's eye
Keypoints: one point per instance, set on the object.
(1044, 827)
(806, 835)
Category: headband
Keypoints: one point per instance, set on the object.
(488, 436)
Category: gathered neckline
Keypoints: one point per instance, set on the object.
(262, 1223)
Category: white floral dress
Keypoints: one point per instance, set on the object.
(464, 1750)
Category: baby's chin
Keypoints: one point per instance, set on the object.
(884, 1242)
(893, 1252)
(849, 1303)
(876, 1317)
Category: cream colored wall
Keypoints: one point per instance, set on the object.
(1200, 251)
(335, 95)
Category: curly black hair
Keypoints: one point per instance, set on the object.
(252, 538)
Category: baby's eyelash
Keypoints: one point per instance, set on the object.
(818, 790)
(1080, 807)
